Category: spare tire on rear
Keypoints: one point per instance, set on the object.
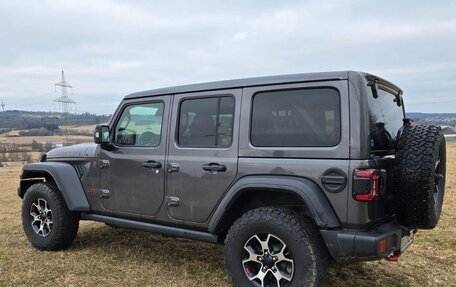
(419, 176)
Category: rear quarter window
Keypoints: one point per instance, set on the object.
(296, 118)
(385, 120)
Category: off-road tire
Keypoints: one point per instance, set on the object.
(65, 222)
(420, 157)
(299, 234)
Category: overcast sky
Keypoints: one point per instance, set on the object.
(112, 48)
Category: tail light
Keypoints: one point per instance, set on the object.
(366, 184)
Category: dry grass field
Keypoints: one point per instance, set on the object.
(13, 137)
(114, 257)
(44, 139)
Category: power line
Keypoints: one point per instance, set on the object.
(34, 103)
(30, 98)
(65, 101)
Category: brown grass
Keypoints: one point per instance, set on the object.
(115, 257)
(13, 137)
(44, 139)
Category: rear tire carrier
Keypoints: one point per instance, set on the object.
(419, 176)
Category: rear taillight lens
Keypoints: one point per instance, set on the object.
(366, 184)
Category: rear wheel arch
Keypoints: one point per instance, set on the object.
(296, 193)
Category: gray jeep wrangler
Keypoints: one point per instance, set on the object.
(287, 171)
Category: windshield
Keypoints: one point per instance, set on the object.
(385, 118)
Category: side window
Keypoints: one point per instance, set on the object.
(206, 122)
(296, 118)
(140, 125)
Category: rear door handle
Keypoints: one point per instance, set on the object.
(152, 164)
(214, 167)
(104, 163)
(172, 167)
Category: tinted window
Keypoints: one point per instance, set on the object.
(385, 120)
(296, 118)
(206, 122)
(140, 125)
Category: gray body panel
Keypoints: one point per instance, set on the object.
(78, 151)
(133, 189)
(199, 191)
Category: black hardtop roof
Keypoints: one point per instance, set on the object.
(251, 82)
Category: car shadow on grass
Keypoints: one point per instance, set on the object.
(148, 248)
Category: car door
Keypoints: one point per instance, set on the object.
(202, 156)
(132, 177)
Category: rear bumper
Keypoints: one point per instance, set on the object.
(374, 244)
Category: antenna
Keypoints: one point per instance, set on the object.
(3, 106)
(65, 102)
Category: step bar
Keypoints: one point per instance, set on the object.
(151, 227)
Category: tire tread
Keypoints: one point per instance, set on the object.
(299, 227)
(66, 222)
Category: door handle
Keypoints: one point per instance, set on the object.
(104, 163)
(173, 167)
(152, 164)
(214, 167)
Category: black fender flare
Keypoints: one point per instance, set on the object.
(311, 194)
(65, 177)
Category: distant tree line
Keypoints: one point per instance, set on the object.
(37, 132)
(48, 120)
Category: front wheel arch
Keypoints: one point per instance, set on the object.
(63, 175)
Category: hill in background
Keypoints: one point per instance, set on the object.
(446, 120)
(25, 120)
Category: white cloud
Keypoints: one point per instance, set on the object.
(110, 48)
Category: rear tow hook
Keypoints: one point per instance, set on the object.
(392, 258)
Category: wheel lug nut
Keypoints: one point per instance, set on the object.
(260, 258)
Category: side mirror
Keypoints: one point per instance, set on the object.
(101, 135)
